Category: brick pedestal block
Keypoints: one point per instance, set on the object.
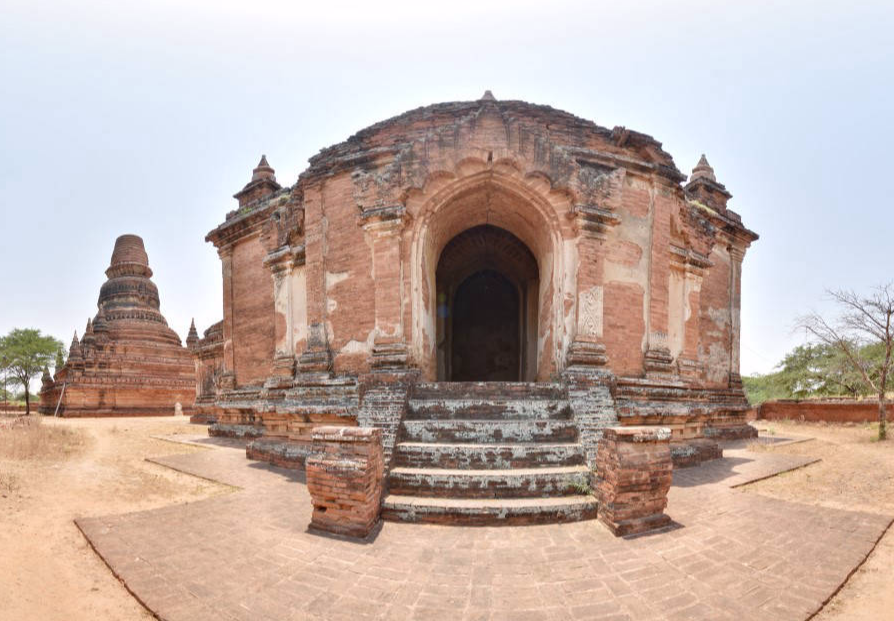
(633, 475)
(345, 476)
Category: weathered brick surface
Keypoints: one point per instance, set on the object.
(345, 478)
(694, 452)
(384, 396)
(837, 411)
(633, 475)
(251, 306)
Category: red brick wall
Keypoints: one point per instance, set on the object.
(623, 327)
(252, 312)
(828, 411)
(350, 300)
(714, 321)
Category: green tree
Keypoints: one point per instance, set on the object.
(820, 369)
(27, 352)
(767, 387)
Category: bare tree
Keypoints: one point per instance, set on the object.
(864, 321)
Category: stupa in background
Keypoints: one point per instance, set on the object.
(128, 362)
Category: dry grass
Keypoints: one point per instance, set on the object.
(29, 439)
(9, 483)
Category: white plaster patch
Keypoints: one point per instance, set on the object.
(333, 278)
(358, 347)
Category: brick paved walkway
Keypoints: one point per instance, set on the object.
(247, 555)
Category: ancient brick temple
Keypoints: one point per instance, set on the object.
(128, 362)
(491, 283)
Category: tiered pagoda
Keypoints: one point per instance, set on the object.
(128, 362)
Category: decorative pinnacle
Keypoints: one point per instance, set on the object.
(488, 96)
(75, 349)
(89, 330)
(263, 171)
(703, 170)
(193, 335)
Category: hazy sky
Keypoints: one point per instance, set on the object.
(145, 117)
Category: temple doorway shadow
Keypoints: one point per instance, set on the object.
(488, 285)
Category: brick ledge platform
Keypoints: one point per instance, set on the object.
(248, 554)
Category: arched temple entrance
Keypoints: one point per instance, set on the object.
(487, 307)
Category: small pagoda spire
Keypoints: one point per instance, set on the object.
(99, 324)
(263, 184)
(74, 351)
(193, 337)
(46, 379)
(703, 170)
(488, 96)
(263, 171)
(88, 331)
(704, 187)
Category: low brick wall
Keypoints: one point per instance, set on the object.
(843, 411)
(13, 408)
(633, 475)
(345, 478)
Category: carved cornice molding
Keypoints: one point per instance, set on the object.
(736, 253)
(593, 220)
(387, 218)
(689, 260)
(285, 258)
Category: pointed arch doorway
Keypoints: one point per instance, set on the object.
(487, 307)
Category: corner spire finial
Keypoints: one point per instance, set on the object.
(263, 171)
(488, 96)
(703, 170)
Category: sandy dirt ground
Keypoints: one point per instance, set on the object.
(97, 467)
(855, 473)
(47, 569)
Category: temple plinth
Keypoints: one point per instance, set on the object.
(129, 361)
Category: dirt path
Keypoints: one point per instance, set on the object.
(47, 570)
(856, 473)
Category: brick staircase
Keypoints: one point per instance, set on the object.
(487, 453)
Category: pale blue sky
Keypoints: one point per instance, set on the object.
(145, 117)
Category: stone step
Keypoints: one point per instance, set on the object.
(489, 390)
(488, 511)
(487, 409)
(488, 431)
(486, 456)
(510, 483)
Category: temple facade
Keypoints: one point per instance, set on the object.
(491, 283)
(128, 361)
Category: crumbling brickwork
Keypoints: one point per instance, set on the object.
(633, 475)
(345, 478)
